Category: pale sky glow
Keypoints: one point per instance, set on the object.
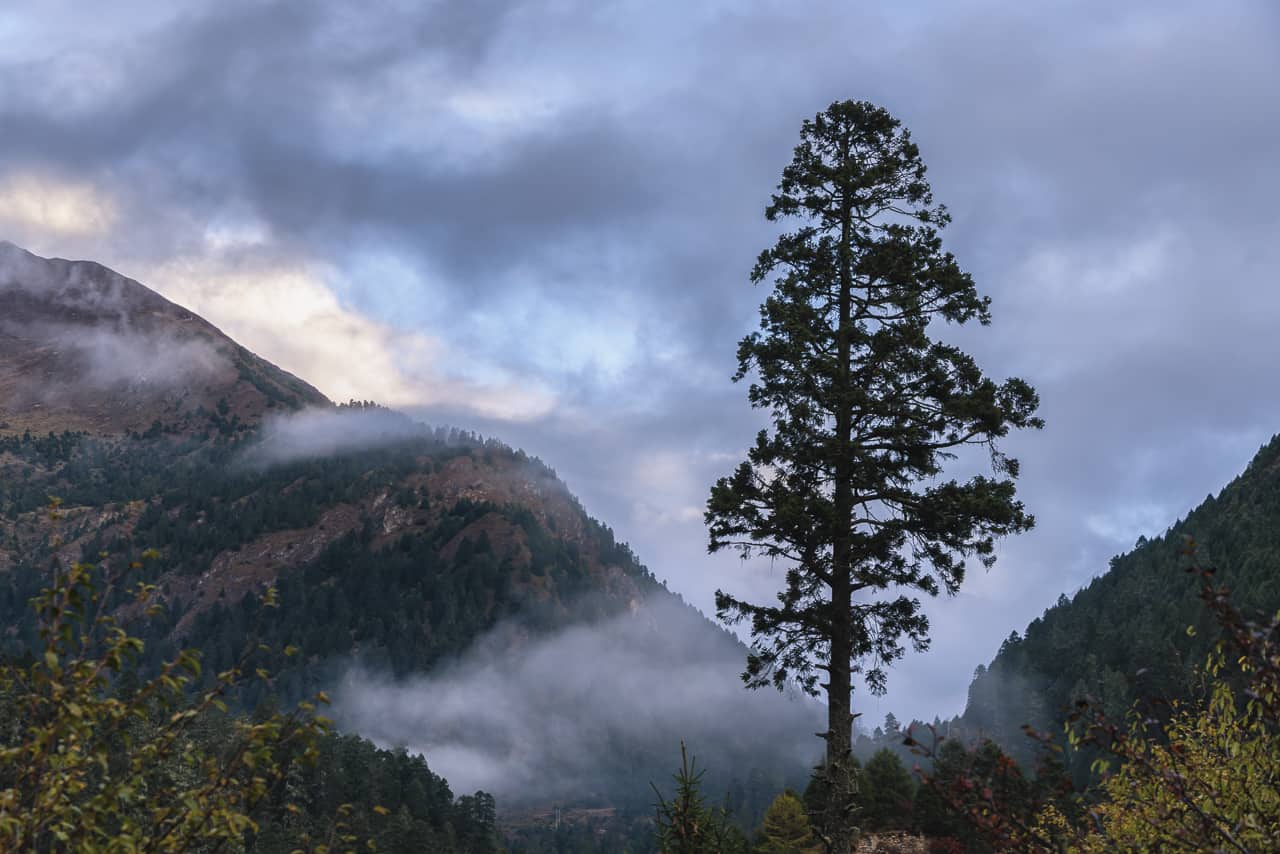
(536, 220)
(290, 315)
(44, 204)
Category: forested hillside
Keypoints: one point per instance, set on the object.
(182, 460)
(1125, 636)
(395, 554)
(421, 812)
(406, 551)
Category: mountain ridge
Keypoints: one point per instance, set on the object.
(1138, 630)
(83, 348)
(392, 544)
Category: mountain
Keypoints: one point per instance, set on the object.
(448, 590)
(1125, 636)
(83, 348)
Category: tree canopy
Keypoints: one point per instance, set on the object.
(846, 487)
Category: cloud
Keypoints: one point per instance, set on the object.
(109, 358)
(35, 204)
(541, 718)
(325, 432)
(86, 367)
(286, 311)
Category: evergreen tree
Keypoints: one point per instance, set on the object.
(886, 804)
(686, 824)
(846, 488)
(786, 828)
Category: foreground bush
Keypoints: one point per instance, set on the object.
(1174, 776)
(92, 758)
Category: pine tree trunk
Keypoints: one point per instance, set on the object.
(840, 829)
(841, 820)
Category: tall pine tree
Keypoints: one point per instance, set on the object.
(846, 489)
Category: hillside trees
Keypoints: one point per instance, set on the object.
(97, 754)
(1091, 645)
(1176, 775)
(93, 760)
(846, 487)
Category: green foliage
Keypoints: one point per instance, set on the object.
(87, 767)
(1125, 636)
(846, 489)
(685, 824)
(786, 828)
(1205, 781)
(887, 798)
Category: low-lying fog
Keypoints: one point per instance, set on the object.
(559, 716)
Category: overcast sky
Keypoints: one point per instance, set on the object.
(536, 219)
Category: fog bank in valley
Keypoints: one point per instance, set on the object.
(567, 715)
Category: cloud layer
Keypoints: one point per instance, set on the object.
(535, 219)
(543, 719)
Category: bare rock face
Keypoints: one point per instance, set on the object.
(84, 348)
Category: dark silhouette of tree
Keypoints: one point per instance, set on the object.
(846, 487)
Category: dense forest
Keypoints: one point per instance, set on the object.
(421, 811)
(400, 603)
(397, 554)
(1090, 645)
(404, 599)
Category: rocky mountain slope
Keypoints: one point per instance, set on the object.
(449, 590)
(83, 348)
